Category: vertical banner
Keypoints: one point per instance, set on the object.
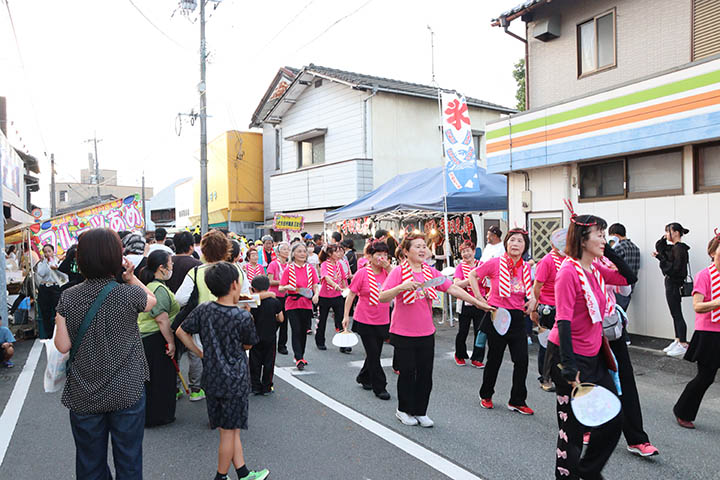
(460, 154)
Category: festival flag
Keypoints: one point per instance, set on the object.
(460, 154)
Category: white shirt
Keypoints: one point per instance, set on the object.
(492, 251)
(46, 275)
(160, 246)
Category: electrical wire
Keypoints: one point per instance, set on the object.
(292, 20)
(345, 17)
(155, 26)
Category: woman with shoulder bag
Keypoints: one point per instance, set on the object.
(105, 389)
(673, 256)
(576, 351)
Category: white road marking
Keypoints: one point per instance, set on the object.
(10, 415)
(384, 362)
(442, 465)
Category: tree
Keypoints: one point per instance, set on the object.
(519, 76)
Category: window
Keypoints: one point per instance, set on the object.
(646, 175)
(184, 212)
(311, 152)
(541, 228)
(707, 167)
(477, 143)
(705, 28)
(603, 180)
(63, 195)
(596, 44)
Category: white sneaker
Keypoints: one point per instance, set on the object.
(678, 351)
(670, 347)
(406, 419)
(425, 421)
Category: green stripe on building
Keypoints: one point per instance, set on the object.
(611, 104)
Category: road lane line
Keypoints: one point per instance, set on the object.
(426, 456)
(10, 415)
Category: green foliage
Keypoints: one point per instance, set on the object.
(519, 76)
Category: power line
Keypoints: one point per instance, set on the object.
(154, 26)
(335, 23)
(295, 17)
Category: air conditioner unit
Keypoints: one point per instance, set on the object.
(547, 29)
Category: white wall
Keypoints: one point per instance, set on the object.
(406, 135)
(184, 194)
(645, 221)
(268, 166)
(333, 106)
(332, 185)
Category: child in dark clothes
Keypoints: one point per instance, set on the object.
(262, 356)
(226, 332)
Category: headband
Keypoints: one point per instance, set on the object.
(573, 215)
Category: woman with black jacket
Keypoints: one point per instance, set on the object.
(673, 256)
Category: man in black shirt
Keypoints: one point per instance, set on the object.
(183, 261)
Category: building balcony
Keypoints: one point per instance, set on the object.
(321, 186)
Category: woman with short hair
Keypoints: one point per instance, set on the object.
(469, 313)
(275, 272)
(333, 279)
(105, 387)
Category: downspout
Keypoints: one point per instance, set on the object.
(505, 24)
(365, 120)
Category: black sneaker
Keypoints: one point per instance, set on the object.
(322, 347)
(282, 350)
(300, 365)
(384, 395)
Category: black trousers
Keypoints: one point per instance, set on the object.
(262, 366)
(373, 337)
(689, 402)
(568, 464)
(545, 321)
(299, 319)
(160, 400)
(325, 304)
(283, 329)
(468, 314)
(672, 295)
(414, 357)
(632, 425)
(516, 340)
(48, 298)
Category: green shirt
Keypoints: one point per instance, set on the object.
(166, 303)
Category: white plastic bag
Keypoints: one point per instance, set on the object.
(56, 369)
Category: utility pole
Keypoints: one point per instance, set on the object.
(53, 206)
(95, 141)
(203, 127)
(143, 203)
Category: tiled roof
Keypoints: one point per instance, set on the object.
(513, 12)
(369, 82)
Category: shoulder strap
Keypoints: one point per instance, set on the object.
(89, 317)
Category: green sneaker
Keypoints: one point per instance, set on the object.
(253, 475)
(178, 394)
(197, 396)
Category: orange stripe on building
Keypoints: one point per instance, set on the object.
(624, 118)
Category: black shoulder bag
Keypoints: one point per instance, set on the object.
(189, 306)
(687, 286)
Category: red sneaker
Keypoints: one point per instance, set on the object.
(643, 449)
(477, 364)
(586, 438)
(304, 361)
(460, 362)
(299, 365)
(685, 423)
(524, 409)
(486, 403)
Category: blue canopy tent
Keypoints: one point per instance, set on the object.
(422, 192)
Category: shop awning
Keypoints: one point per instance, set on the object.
(423, 191)
(214, 217)
(15, 216)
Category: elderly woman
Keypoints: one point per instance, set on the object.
(275, 272)
(105, 389)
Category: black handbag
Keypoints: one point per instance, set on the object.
(687, 287)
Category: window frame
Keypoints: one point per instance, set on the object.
(298, 147)
(627, 194)
(578, 49)
(697, 188)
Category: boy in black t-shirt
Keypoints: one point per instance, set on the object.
(226, 332)
(262, 356)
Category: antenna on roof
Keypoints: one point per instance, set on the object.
(432, 54)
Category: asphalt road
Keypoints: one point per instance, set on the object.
(298, 432)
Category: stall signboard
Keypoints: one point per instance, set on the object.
(356, 226)
(63, 231)
(293, 223)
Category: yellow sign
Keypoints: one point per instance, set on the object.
(294, 223)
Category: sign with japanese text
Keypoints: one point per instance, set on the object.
(293, 223)
(12, 168)
(357, 226)
(460, 154)
(62, 232)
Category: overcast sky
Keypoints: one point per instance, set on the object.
(99, 66)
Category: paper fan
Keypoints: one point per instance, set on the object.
(305, 292)
(594, 405)
(501, 320)
(543, 337)
(345, 339)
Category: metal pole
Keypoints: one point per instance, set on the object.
(53, 205)
(143, 203)
(203, 127)
(97, 170)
